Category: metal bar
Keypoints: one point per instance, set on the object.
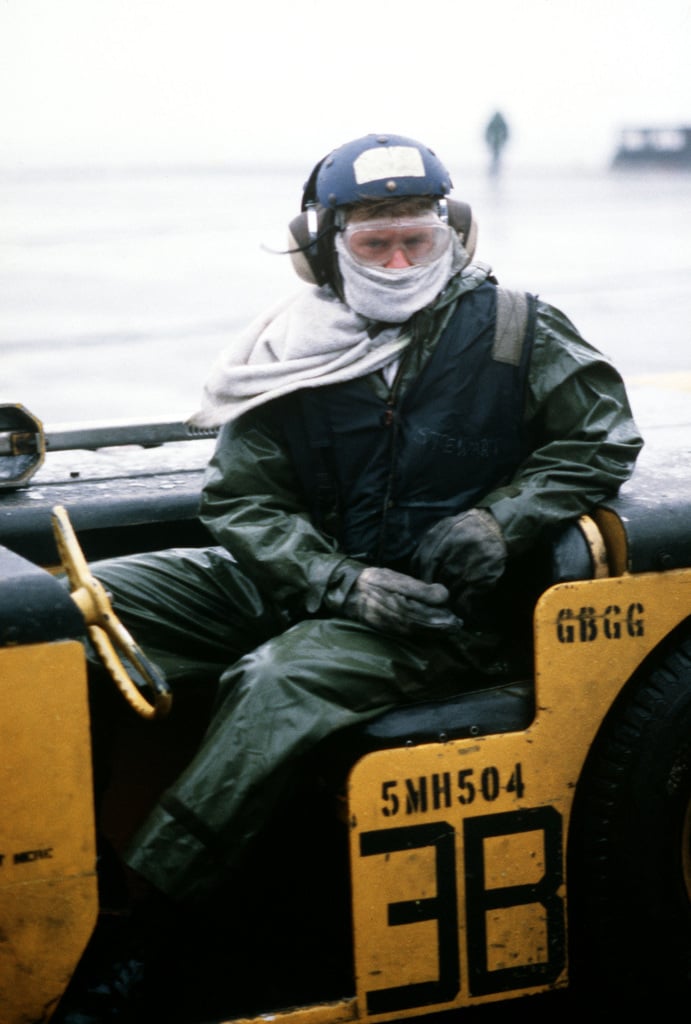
(146, 435)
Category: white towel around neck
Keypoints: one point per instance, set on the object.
(313, 338)
(308, 340)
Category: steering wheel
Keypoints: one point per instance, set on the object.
(108, 635)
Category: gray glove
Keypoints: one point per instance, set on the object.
(466, 553)
(395, 603)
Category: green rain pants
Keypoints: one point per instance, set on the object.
(280, 692)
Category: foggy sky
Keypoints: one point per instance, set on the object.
(198, 81)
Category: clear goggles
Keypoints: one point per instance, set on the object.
(373, 243)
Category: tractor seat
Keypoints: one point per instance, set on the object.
(493, 709)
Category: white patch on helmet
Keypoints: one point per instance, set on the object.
(389, 162)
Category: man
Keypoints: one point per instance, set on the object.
(496, 137)
(393, 439)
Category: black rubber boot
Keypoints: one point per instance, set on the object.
(109, 982)
(128, 951)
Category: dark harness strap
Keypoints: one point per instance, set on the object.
(515, 319)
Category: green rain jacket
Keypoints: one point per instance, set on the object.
(272, 707)
(576, 404)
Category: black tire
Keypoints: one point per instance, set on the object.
(630, 845)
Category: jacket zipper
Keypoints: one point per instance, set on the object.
(390, 425)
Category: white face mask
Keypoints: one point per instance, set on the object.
(393, 295)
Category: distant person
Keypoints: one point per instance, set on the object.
(394, 437)
(496, 137)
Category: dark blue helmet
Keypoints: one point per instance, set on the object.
(378, 167)
(373, 167)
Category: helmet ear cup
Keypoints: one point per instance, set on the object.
(303, 250)
(304, 239)
(311, 245)
(460, 217)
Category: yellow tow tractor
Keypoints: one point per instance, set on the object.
(528, 840)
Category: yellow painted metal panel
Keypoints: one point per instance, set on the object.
(458, 850)
(48, 890)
